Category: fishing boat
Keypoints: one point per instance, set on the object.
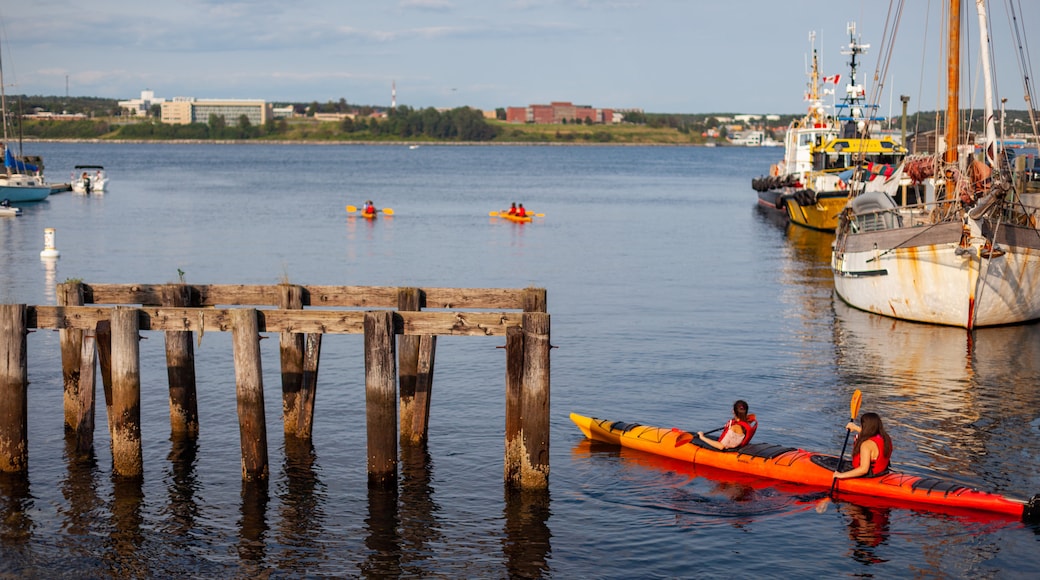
(960, 246)
(89, 179)
(21, 181)
(830, 154)
(816, 126)
(792, 465)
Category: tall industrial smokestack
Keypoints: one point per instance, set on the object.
(393, 94)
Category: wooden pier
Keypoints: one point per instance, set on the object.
(100, 326)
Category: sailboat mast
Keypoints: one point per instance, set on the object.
(953, 69)
(3, 99)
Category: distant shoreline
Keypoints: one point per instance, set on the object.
(366, 143)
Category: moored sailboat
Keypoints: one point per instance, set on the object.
(20, 180)
(966, 250)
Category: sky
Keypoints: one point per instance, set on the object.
(661, 56)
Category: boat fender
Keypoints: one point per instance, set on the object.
(1031, 511)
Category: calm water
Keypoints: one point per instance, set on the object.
(671, 295)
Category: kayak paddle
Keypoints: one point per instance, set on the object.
(386, 210)
(687, 437)
(857, 398)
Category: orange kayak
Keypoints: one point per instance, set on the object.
(793, 465)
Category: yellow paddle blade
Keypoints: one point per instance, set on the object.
(388, 210)
(857, 399)
(539, 215)
(351, 209)
(493, 213)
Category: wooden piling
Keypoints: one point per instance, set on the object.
(249, 389)
(514, 457)
(126, 393)
(309, 386)
(291, 349)
(71, 339)
(87, 386)
(534, 472)
(180, 368)
(381, 399)
(408, 366)
(14, 390)
(423, 389)
(103, 335)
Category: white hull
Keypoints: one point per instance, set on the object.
(96, 186)
(941, 273)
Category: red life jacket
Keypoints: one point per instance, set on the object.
(750, 426)
(521, 212)
(879, 465)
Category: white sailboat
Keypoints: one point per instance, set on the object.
(20, 181)
(966, 252)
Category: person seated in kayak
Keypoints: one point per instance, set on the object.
(512, 209)
(737, 432)
(369, 207)
(872, 451)
(520, 211)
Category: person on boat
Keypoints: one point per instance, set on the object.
(512, 209)
(737, 432)
(520, 211)
(370, 208)
(872, 451)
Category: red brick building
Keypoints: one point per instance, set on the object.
(558, 112)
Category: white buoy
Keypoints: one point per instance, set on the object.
(48, 244)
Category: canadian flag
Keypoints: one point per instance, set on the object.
(834, 79)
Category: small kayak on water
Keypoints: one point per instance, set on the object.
(793, 465)
(513, 217)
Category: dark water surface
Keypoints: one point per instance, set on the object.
(671, 295)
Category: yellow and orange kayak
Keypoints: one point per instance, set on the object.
(789, 464)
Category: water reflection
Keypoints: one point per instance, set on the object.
(253, 526)
(126, 538)
(79, 488)
(419, 525)
(958, 399)
(302, 518)
(16, 505)
(182, 487)
(383, 540)
(527, 542)
(868, 529)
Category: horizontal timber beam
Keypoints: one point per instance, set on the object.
(368, 297)
(273, 320)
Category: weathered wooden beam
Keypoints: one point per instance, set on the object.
(180, 368)
(381, 400)
(71, 339)
(320, 321)
(290, 348)
(127, 457)
(423, 389)
(308, 388)
(85, 403)
(409, 299)
(369, 297)
(515, 454)
(249, 392)
(14, 390)
(534, 472)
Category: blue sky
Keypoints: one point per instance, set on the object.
(663, 56)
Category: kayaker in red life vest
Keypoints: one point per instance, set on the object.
(738, 431)
(370, 208)
(872, 451)
(512, 209)
(520, 211)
